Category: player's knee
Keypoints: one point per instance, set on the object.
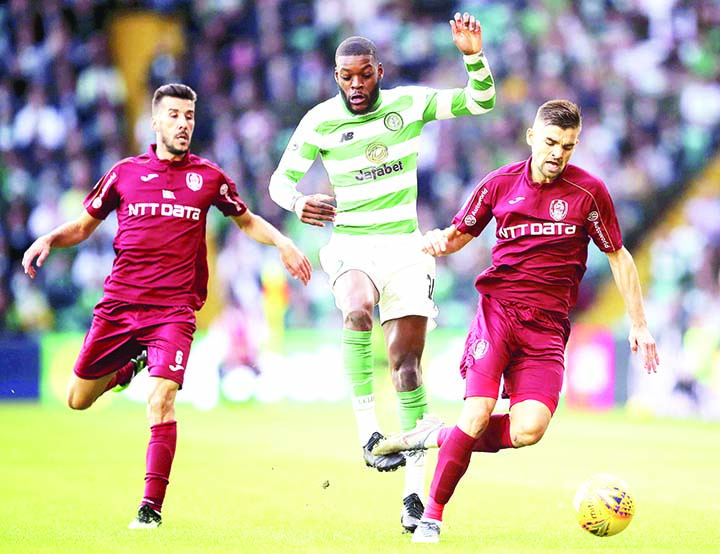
(527, 433)
(406, 376)
(360, 319)
(78, 402)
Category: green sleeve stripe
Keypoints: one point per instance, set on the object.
(485, 84)
(394, 228)
(308, 151)
(380, 203)
(430, 109)
(293, 175)
(478, 65)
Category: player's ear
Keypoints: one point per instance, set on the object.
(529, 136)
(381, 71)
(153, 123)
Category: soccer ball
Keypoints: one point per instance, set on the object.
(605, 505)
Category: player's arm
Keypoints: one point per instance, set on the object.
(313, 209)
(67, 234)
(441, 242)
(478, 96)
(628, 283)
(260, 230)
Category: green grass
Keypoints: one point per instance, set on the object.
(248, 478)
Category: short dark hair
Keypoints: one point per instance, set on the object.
(356, 46)
(173, 90)
(561, 113)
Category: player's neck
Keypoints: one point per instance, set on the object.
(164, 154)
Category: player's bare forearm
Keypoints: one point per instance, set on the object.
(65, 235)
(260, 230)
(466, 33)
(441, 242)
(315, 209)
(627, 281)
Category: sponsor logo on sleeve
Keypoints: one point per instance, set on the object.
(469, 220)
(593, 216)
(223, 189)
(194, 181)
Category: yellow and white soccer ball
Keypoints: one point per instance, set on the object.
(605, 505)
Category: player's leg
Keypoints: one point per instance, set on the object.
(405, 341)
(356, 296)
(406, 308)
(168, 332)
(453, 461)
(487, 353)
(105, 356)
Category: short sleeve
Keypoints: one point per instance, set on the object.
(104, 197)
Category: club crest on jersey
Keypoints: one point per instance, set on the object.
(558, 209)
(194, 181)
(479, 349)
(393, 121)
(376, 152)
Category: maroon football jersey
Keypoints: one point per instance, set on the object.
(543, 232)
(162, 206)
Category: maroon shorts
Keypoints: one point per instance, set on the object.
(523, 345)
(120, 331)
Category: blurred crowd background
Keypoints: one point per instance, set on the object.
(646, 74)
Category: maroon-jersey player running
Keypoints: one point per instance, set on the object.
(146, 316)
(547, 212)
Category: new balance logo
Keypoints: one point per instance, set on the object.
(168, 195)
(149, 177)
(347, 136)
(516, 200)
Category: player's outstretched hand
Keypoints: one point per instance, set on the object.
(641, 340)
(315, 209)
(435, 242)
(39, 249)
(466, 33)
(296, 263)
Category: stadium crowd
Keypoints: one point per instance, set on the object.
(645, 74)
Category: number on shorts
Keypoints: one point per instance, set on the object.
(431, 286)
(178, 357)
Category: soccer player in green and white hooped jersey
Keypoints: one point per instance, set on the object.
(368, 141)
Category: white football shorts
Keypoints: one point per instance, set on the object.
(402, 273)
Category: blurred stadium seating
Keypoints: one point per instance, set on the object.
(76, 79)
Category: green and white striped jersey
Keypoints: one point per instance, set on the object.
(371, 159)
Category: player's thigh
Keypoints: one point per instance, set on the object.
(168, 335)
(108, 345)
(408, 290)
(487, 350)
(354, 291)
(538, 369)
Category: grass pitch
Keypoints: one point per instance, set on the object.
(250, 478)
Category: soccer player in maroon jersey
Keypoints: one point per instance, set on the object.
(159, 276)
(547, 211)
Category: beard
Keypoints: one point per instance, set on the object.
(374, 95)
(175, 151)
